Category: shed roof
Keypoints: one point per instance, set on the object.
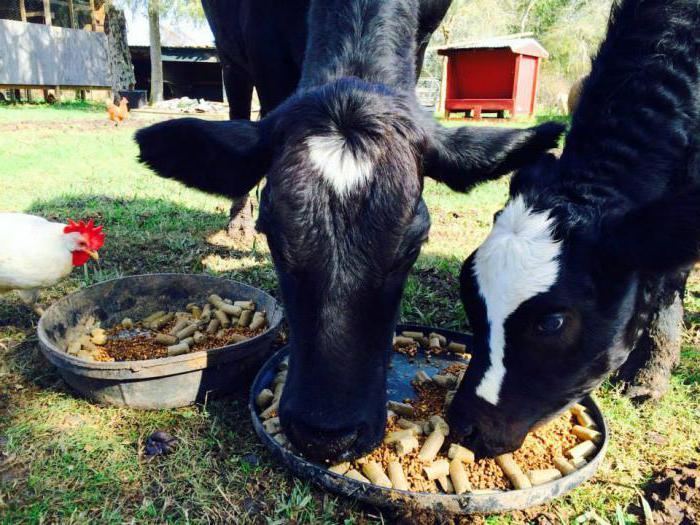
(521, 46)
(179, 53)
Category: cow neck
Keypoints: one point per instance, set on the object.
(371, 40)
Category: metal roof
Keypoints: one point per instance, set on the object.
(181, 53)
(521, 46)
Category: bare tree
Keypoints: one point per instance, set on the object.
(156, 53)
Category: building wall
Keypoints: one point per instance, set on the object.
(199, 77)
(39, 55)
(481, 74)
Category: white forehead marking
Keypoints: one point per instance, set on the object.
(338, 165)
(518, 260)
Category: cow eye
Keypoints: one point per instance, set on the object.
(550, 324)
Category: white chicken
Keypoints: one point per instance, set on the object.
(36, 253)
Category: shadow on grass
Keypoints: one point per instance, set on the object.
(156, 236)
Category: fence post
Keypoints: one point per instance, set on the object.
(47, 12)
(92, 15)
(22, 11)
(71, 14)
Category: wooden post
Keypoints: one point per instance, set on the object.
(442, 110)
(71, 14)
(47, 12)
(92, 15)
(223, 85)
(22, 11)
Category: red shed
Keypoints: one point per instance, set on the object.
(494, 75)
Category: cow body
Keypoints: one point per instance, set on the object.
(261, 43)
(595, 246)
(344, 160)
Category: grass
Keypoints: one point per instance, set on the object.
(65, 111)
(79, 463)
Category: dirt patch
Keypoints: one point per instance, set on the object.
(100, 122)
(674, 495)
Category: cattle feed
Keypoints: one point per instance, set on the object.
(343, 169)
(517, 261)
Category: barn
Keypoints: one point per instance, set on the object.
(498, 75)
(59, 46)
(188, 71)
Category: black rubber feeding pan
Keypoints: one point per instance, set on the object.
(155, 383)
(399, 388)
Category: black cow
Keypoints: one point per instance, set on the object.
(344, 159)
(261, 43)
(563, 287)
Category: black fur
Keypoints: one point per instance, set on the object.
(342, 260)
(626, 202)
(244, 29)
(218, 145)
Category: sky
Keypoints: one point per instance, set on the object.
(172, 33)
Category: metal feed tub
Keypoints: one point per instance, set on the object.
(399, 388)
(155, 383)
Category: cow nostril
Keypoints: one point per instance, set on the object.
(467, 431)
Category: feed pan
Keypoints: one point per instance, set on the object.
(155, 383)
(398, 388)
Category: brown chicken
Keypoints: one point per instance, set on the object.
(118, 114)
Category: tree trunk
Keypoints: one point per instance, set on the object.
(118, 50)
(156, 55)
(647, 371)
(526, 15)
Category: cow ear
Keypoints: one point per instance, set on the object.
(466, 156)
(226, 158)
(661, 236)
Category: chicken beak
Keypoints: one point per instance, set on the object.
(93, 254)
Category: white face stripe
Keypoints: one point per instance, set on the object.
(338, 165)
(518, 260)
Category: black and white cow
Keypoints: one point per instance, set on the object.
(261, 44)
(344, 161)
(563, 287)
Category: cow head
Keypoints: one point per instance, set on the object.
(344, 219)
(562, 288)
(557, 296)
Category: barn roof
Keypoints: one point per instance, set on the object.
(179, 53)
(521, 46)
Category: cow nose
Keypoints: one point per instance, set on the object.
(462, 427)
(321, 444)
(463, 431)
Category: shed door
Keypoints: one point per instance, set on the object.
(527, 84)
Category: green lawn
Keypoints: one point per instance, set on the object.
(76, 462)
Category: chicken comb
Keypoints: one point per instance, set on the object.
(95, 235)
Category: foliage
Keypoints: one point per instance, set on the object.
(570, 30)
(173, 9)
